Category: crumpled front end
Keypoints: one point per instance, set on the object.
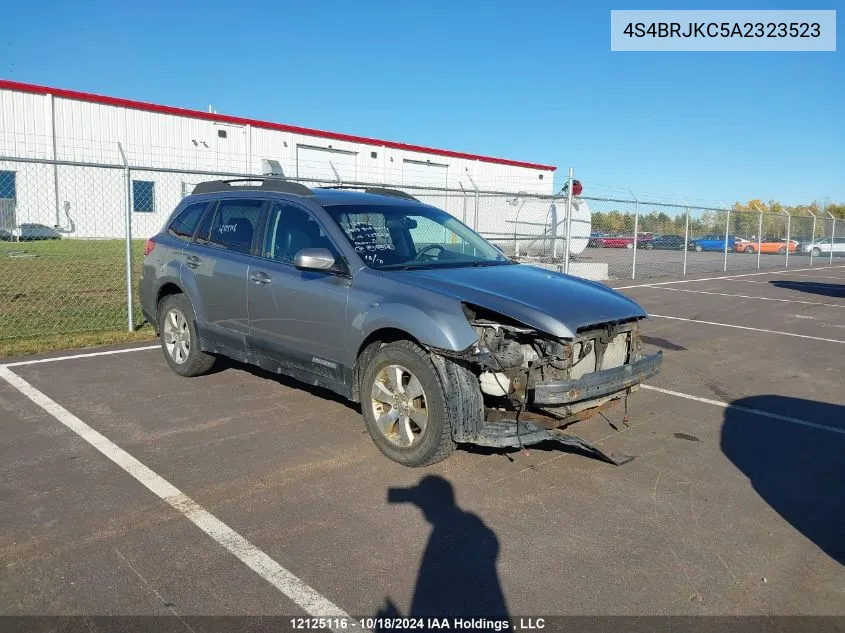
(545, 384)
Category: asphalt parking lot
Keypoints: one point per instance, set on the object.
(242, 493)
(659, 263)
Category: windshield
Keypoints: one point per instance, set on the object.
(410, 237)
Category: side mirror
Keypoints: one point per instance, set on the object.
(314, 259)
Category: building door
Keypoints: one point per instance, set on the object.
(420, 173)
(326, 164)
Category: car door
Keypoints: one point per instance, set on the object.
(297, 317)
(215, 272)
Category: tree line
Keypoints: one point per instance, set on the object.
(744, 220)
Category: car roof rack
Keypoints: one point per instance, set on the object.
(379, 191)
(266, 184)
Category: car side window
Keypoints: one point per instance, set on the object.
(233, 225)
(290, 229)
(184, 224)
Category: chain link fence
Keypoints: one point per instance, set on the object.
(72, 234)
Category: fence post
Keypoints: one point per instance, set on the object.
(636, 230)
(832, 236)
(554, 225)
(128, 237)
(759, 237)
(727, 230)
(568, 221)
(474, 186)
(788, 227)
(686, 241)
(812, 238)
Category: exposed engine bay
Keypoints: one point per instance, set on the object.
(515, 358)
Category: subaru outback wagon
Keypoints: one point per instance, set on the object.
(395, 305)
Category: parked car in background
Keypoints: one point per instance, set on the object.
(6, 235)
(669, 242)
(823, 246)
(778, 246)
(801, 241)
(740, 244)
(622, 241)
(394, 304)
(30, 232)
(713, 242)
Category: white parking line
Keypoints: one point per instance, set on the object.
(753, 329)
(765, 414)
(295, 589)
(86, 355)
(727, 294)
(687, 281)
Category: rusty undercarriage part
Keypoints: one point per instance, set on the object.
(556, 418)
(504, 434)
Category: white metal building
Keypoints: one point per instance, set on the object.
(38, 122)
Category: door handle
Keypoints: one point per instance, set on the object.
(260, 278)
(192, 261)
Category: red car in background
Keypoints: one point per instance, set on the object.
(621, 241)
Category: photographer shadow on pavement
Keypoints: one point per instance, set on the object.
(457, 575)
(796, 468)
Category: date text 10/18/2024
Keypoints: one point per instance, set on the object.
(410, 624)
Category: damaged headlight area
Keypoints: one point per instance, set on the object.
(528, 376)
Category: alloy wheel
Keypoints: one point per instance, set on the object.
(399, 405)
(177, 336)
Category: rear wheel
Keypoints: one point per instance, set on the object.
(179, 339)
(698, 248)
(648, 246)
(629, 245)
(407, 408)
(781, 250)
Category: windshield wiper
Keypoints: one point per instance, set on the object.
(491, 262)
(406, 267)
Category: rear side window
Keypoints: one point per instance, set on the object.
(184, 224)
(233, 226)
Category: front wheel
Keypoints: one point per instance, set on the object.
(406, 406)
(648, 246)
(179, 339)
(816, 252)
(698, 248)
(749, 249)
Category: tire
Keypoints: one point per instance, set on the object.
(395, 426)
(781, 251)
(749, 249)
(629, 245)
(648, 246)
(816, 252)
(179, 339)
(698, 248)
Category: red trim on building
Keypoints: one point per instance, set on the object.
(224, 118)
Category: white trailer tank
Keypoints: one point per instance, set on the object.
(534, 227)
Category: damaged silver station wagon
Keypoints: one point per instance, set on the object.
(394, 304)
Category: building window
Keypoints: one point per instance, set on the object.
(7, 185)
(143, 196)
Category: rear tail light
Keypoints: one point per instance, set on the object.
(148, 247)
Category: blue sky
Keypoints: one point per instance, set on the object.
(531, 81)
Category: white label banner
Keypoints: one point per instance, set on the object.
(749, 30)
